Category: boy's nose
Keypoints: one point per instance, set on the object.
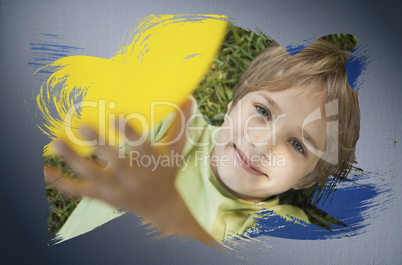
(258, 136)
(265, 140)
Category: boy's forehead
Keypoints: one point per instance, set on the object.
(299, 99)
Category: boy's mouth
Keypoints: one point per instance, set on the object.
(244, 162)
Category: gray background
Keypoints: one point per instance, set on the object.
(98, 26)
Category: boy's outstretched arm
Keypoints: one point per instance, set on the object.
(149, 192)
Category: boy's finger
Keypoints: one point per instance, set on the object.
(67, 185)
(133, 139)
(104, 150)
(79, 164)
(178, 134)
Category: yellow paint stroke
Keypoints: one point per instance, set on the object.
(164, 61)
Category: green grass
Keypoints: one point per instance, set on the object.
(62, 205)
(344, 42)
(216, 89)
(213, 95)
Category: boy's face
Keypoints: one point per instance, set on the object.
(265, 130)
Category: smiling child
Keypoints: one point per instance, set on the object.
(293, 122)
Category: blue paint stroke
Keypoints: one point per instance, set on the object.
(49, 35)
(356, 65)
(293, 50)
(351, 204)
(47, 51)
(191, 56)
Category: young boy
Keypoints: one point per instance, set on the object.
(293, 122)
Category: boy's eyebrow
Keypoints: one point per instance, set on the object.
(308, 138)
(271, 102)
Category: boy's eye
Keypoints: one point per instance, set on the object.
(297, 145)
(264, 112)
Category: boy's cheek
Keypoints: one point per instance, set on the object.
(225, 161)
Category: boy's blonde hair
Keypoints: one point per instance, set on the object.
(320, 66)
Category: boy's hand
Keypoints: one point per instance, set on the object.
(148, 191)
